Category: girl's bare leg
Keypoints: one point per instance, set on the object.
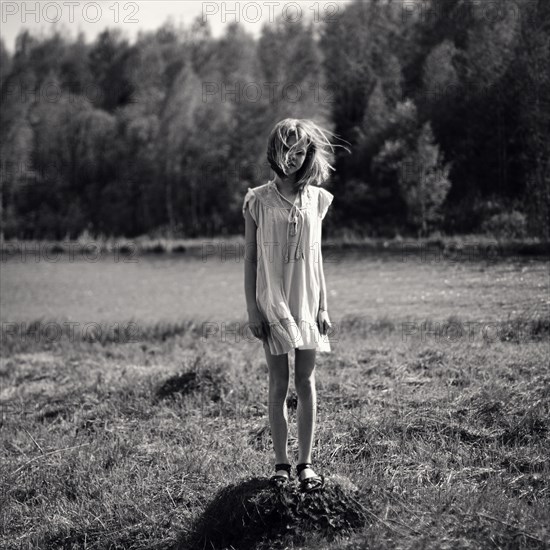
(304, 372)
(278, 412)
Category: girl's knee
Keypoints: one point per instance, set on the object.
(305, 382)
(278, 398)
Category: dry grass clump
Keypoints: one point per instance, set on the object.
(206, 382)
(254, 515)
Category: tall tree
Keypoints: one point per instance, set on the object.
(108, 59)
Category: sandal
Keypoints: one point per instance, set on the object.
(281, 479)
(312, 483)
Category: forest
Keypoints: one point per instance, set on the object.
(445, 105)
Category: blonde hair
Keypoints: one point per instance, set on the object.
(316, 142)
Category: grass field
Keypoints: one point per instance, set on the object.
(117, 444)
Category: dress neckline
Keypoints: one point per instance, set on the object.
(298, 199)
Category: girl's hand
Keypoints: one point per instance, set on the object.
(323, 321)
(258, 325)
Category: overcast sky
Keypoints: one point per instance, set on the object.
(70, 17)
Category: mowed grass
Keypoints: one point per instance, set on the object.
(116, 444)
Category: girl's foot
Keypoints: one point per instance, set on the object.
(309, 480)
(282, 474)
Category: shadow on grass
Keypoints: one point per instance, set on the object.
(254, 515)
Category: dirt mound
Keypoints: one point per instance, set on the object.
(204, 381)
(254, 515)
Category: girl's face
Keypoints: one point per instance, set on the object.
(295, 158)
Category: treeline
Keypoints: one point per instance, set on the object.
(446, 105)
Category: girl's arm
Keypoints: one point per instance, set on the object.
(322, 315)
(250, 261)
(256, 321)
(323, 290)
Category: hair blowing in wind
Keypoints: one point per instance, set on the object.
(309, 136)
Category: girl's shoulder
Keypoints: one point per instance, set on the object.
(261, 191)
(323, 193)
(254, 197)
(264, 193)
(324, 200)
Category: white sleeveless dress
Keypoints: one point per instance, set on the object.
(288, 280)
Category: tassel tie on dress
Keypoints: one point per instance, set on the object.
(292, 230)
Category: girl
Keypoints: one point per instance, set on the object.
(284, 281)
